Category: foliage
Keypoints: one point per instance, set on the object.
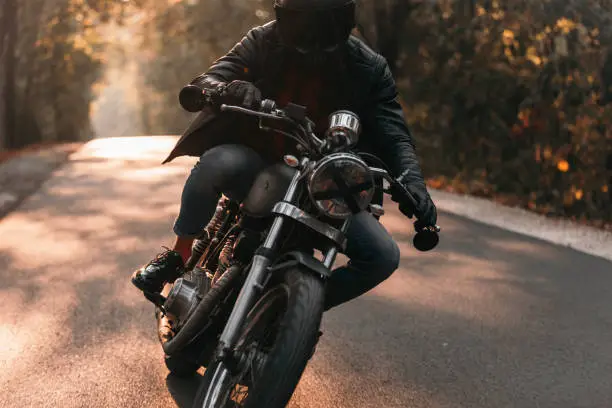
(508, 102)
(506, 98)
(182, 39)
(57, 60)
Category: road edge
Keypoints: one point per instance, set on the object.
(26, 173)
(565, 233)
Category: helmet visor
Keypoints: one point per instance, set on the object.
(309, 31)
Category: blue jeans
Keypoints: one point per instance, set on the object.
(231, 170)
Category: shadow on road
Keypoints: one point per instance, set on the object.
(488, 319)
(183, 390)
(65, 260)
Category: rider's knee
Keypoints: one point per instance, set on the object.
(229, 168)
(389, 259)
(230, 157)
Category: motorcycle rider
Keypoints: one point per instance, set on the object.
(306, 56)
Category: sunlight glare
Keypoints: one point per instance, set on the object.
(132, 148)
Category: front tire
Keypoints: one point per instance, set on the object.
(291, 313)
(180, 367)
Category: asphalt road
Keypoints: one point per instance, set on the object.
(490, 319)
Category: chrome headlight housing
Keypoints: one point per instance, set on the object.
(344, 124)
(340, 185)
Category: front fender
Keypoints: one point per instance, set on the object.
(308, 261)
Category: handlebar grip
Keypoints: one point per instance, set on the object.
(425, 240)
(192, 98)
(426, 237)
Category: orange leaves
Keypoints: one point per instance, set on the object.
(563, 166)
(565, 25)
(547, 154)
(523, 116)
(533, 56)
(500, 97)
(578, 194)
(507, 37)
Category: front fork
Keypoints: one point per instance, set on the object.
(255, 281)
(258, 273)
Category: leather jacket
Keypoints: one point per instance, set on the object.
(361, 82)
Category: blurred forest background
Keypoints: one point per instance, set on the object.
(507, 99)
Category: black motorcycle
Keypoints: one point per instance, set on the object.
(249, 305)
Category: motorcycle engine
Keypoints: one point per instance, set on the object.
(182, 299)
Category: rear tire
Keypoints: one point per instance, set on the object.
(296, 305)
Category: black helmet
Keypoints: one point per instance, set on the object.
(314, 26)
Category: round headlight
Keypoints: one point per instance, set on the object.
(341, 184)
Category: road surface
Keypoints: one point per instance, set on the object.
(490, 319)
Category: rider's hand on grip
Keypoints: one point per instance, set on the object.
(407, 209)
(242, 93)
(417, 202)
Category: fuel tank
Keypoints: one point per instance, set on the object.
(269, 188)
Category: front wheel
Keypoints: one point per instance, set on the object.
(277, 341)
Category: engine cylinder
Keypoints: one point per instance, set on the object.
(182, 299)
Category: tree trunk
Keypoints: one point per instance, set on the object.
(10, 15)
(2, 79)
(390, 21)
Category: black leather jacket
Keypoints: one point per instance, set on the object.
(362, 83)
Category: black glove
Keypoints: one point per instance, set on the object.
(242, 93)
(425, 210)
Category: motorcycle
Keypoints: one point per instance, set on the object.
(250, 303)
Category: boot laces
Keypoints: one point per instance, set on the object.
(161, 257)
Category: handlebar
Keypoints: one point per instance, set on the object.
(277, 115)
(292, 115)
(267, 109)
(426, 237)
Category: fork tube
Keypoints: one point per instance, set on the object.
(256, 277)
(330, 255)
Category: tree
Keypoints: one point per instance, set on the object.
(181, 40)
(383, 25)
(9, 49)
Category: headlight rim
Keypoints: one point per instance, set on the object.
(322, 165)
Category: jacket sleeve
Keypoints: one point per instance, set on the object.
(238, 64)
(392, 139)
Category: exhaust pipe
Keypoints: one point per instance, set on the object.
(188, 333)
